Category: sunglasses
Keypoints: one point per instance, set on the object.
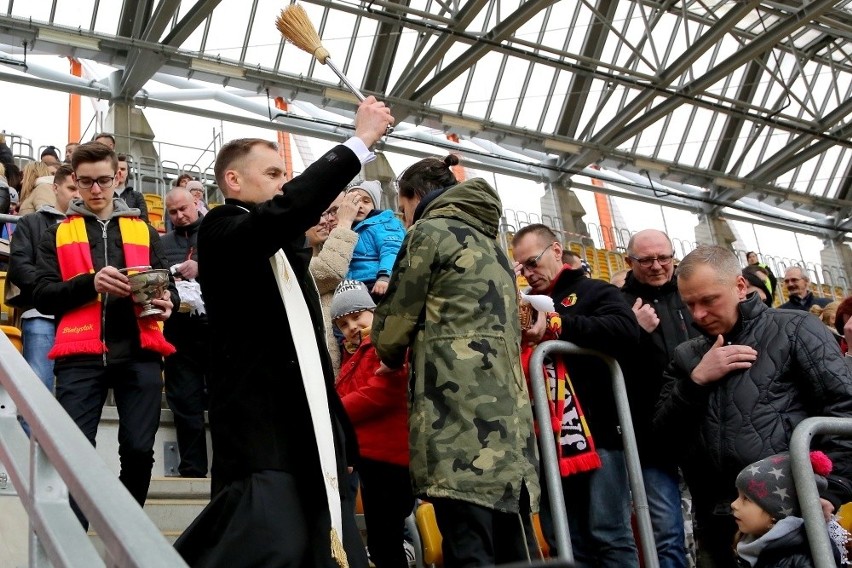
(532, 262)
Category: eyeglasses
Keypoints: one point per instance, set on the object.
(648, 261)
(532, 262)
(329, 213)
(104, 182)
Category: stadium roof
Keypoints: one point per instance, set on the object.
(707, 105)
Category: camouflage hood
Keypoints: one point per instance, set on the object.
(473, 201)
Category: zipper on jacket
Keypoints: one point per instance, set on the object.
(103, 303)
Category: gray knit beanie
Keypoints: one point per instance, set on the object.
(350, 296)
(373, 189)
(769, 483)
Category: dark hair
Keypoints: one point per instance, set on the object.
(542, 232)
(14, 176)
(103, 135)
(427, 175)
(63, 172)
(50, 151)
(180, 178)
(750, 273)
(93, 152)
(233, 151)
(121, 157)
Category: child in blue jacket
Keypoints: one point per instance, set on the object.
(380, 235)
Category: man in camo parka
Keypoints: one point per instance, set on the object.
(452, 300)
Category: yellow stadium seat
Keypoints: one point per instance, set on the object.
(7, 313)
(430, 536)
(844, 516)
(153, 200)
(14, 335)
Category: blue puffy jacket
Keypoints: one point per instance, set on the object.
(379, 237)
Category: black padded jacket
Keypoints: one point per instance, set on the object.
(719, 428)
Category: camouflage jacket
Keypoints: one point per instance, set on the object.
(452, 299)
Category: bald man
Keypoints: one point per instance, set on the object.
(651, 290)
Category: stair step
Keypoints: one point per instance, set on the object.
(180, 488)
(173, 515)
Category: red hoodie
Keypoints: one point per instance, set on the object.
(377, 405)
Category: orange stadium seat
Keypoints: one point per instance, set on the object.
(14, 335)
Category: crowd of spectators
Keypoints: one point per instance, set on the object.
(424, 301)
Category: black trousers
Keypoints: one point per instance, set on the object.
(478, 536)
(138, 388)
(185, 373)
(388, 499)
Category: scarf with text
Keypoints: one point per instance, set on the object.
(575, 448)
(79, 330)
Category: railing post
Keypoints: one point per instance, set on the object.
(548, 447)
(806, 489)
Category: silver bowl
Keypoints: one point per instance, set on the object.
(147, 284)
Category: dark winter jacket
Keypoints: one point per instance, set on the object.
(804, 304)
(53, 295)
(784, 546)
(259, 414)
(654, 352)
(719, 428)
(134, 200)
(23, 248)
(595, 316)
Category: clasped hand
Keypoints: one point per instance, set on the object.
(721, 360)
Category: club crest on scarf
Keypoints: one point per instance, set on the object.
(569, 301)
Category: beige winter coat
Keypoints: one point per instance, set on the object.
(42, 194)
(328, 268)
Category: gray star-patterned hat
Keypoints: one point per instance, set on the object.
(769, 483)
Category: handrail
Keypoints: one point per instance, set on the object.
(58, 458)
(806, 489)
(548, 447)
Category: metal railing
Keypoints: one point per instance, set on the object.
(806, 489)
(550, 464)
(57, 459)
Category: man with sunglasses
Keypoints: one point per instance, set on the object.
(651, 289)
(101, 343)
(594, 316)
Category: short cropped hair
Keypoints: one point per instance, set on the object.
(93, 152)
(542, 232)
(103, 135)
(233, 151)
(723, 261)
(62, 174)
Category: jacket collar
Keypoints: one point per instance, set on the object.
(633, 286)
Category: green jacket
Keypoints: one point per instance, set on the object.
(452, 299)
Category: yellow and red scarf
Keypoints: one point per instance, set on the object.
(575, 447)
(79, 330)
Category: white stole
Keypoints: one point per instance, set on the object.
(313, 379)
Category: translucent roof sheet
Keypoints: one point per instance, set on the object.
(746, 99)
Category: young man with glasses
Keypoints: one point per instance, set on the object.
(800, 297)
(651, 289)
(594, 316)
(101, 343)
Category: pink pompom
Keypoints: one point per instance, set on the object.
(821, 463)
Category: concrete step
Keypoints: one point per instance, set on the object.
(166, 457)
